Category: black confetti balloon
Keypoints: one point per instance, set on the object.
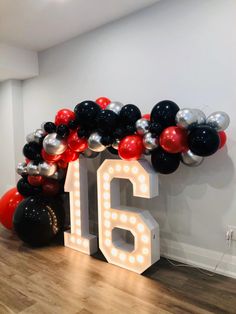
(86, 113)
(164, 112)
(38, 220)
(107, 120)
(32, 151)
(164, 162)
(129, 114)
(107, 140)
(203, 140)
(26, 189)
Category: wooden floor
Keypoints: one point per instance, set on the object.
(59, 280)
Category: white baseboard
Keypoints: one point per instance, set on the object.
(196, 256)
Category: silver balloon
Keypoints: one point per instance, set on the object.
(38, 135)
(88, 153)
(32, 169)
(54, 144)
(115, 106)
(150, 142)
(201, 117)
(191, 160)
(21, 168)
(30, 138)
(219, 120)
(94, 142)
(59, 174)
(115, 145)
(42, 126)
(186, 117)
(142, 126)
(46, 169)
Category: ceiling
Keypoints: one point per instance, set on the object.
(40, 24)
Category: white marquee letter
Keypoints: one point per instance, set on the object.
(114, 220)
(76, 184)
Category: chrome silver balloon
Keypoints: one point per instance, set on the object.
(54, 144)
(115, 145)
(142, 126)
(191, 160)
(46, 169)
(94, 142)
(150, 142)
(88, 153)
(21, 168)
(219, 120)
(186, 117)
(42, 126)
(32, 169)
(59, 174)
(38, 135)
(115, 106)
(30, 138)
(201, 117)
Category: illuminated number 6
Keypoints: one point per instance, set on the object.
(114, 221)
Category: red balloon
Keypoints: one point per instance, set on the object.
(27, 160)
(49, 158)
(69, 155)
(223, 138)
(174, 140)
(62, 164)
(64, 116)
(51, 187)
(147, 116)
(131, 147)
(76, 143)
(103, 102)
(35, 180)
(8, 205)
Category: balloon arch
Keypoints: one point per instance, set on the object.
(168, 134)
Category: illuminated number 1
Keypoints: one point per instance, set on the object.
(115, 221)
(76, 184)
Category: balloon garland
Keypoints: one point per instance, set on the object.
(169, 134)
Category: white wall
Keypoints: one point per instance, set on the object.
(181, 50)
(11, 131)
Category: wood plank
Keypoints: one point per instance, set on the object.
(56, 280)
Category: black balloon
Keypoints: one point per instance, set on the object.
(83, 133)
(38, 220)
(63, 130)
(50, 127)
(203, 140)
(164, 162)
(86, 113)
(129, 114)
(112, 150)
(107, 120)
(73, 124)
(156, 128)
(119, 133)
(107, 140)
(32, 151)
(25, 189)
(130, 129)
(164, 112)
